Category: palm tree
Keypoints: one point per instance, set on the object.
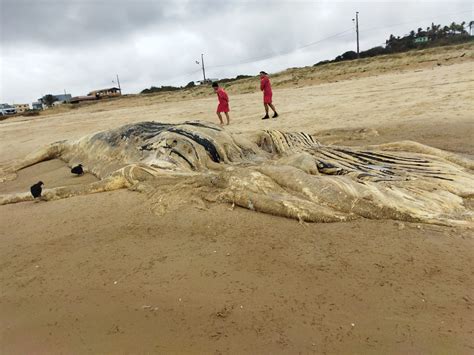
(453, 27)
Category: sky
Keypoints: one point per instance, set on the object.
(52, 46)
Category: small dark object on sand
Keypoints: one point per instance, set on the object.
(36, 189)
(77, 170)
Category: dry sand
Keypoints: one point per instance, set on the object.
(103, 274)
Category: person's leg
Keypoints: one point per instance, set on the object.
(266, 111)
(220, 117)
(275, 114)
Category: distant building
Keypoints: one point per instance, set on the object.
(63, 97)
(96, 95)
(421, 39)
(77, 99)
(58, 99)
(20, 108)
(109, 92)
(38, 105)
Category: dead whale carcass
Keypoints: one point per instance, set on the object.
(283, 173)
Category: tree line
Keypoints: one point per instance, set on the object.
(432, 36)
(191, 84)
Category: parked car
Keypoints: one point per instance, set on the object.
(6, 109)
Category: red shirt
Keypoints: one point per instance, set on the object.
(265, 85)
(222, 96)
(223, 101)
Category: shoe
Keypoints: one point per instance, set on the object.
(275, 115)
(266, 117)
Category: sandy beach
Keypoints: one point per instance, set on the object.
(103, 273)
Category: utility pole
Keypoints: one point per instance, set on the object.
(357, 31)
(203, 70)
(118, 83)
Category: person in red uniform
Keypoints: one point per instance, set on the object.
(223, 102)
(266, 87)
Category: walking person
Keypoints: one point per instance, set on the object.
(266, 87)
(223, 103)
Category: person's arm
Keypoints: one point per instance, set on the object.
(262, 84)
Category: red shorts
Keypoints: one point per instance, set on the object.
(223, 108)
(267, 98)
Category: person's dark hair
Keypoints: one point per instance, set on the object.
(215, 85)
(264, 73)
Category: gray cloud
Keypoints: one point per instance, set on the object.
(76, 22)
(51, 45)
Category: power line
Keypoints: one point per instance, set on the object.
(343, 33)
(258, 59)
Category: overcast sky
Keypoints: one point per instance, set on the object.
(48, 46)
